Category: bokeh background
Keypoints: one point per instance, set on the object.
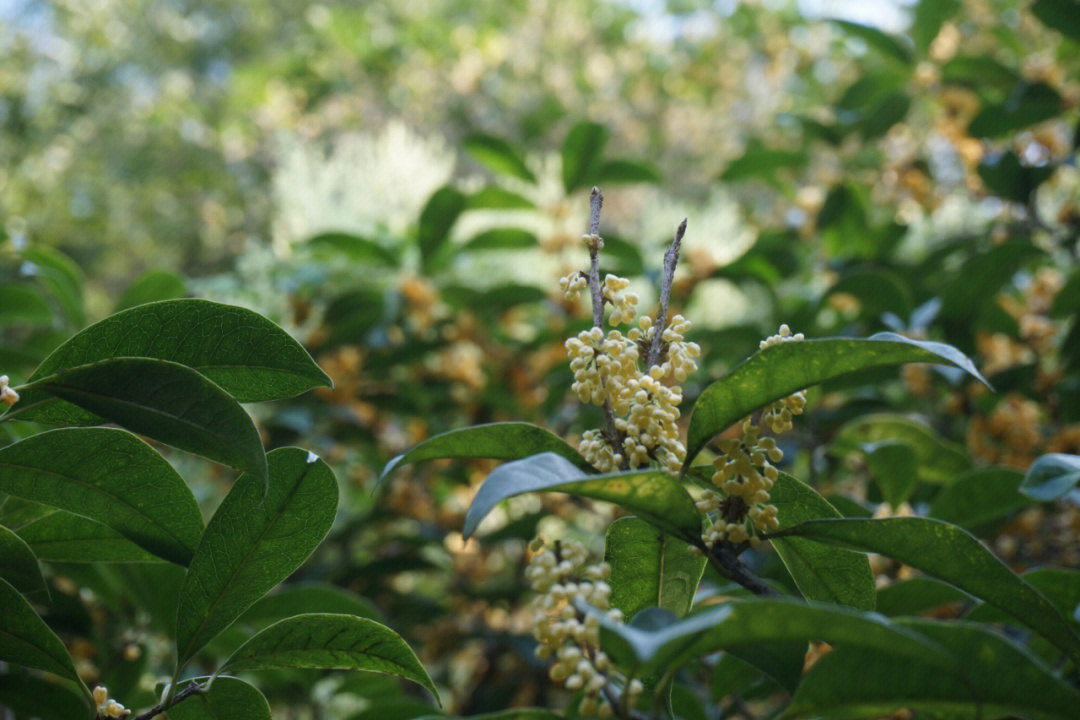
(401, 184)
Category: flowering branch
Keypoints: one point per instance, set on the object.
(724, 558)
(671, 259)
(192, 689)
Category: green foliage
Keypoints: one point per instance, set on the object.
(650, 569)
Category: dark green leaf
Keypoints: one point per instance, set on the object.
(1051, 477)
(512, 714)
(939, 460)
(614, 172)
(493, 197)
(500, 239)
(27, 641)
(652, 495)
(497, 441)
(1007, 178)
(436, 220)
(889, 46)
(227, 699)
(894, 467)
(308, 597)
(1060, 15)
(498, 155)
(330, 642)
(979, 72)
(254, 542)
(112, 477)
(758, 161)
(22, 304)
(1000, 679)
(19, 566)
(165, 401)
(63, 537)
(917, 595)
(930, 15)
(980, 497)
(581, 154)
(950, 554)
(824, 574)
(782, 369)
(354, 247)
(248, 356)
(649, 568)
(58, 274)
(154, 286)
(28, 696)
(1028, 104)
(982, 275)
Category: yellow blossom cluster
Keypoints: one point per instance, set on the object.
(573, 284)
(563, 582)
(8, 396)
(623, 302)
(107, 708)
(745, 469)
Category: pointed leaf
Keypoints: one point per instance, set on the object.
(308, 597)
(64, 537)
(496, 441)
(649, 568)
(498, 155)
(950, 554)
(28, 696)
(154, 286)
(19, 566)
(938, 460)
(824, 574)
(887, 45)
(581, 154)
(227, 699)
(22, 304)
(980, 498)
(1051, 477)
(1000, 679)
(253, 542)
(653, 495)
(165, 401)
(26, 640)
(354, 247)
(110, 476)
(437, 219)
(330, 642)
(782, 369)
(245, 354)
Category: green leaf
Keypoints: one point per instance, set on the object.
(112, 477)
(308, 597)
(939, 461)
(1000, 679)
(744, 623)
(1060, 15)
(649, 568)
(154, 286)
(824, 574)
(785, 368)
(496, 441)
(895, 468)
(917, 595)
(58, 274)
(500, 239)
(653, 495)
(436, 220)
(64, 537)
(511, 714)
(27, 641)
(167, 402)
(28, 696)
(1051, 477)
(227, 699)
(889, 46)
(1060, 586)
(493, 197)
(330, 642)
(498, 156)
(982, 275)
(758, 161)
(614, 172)
(354, 247)
(248, 356)
(980, 497)
(253, 542)
(19, 566)
(948, 553)
(1007, 178)
(581, 154)
(1028, 104)
(930, 15)
(22, 304)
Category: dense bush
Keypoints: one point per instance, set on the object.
(389, 397)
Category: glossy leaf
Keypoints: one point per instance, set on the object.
(253, 542)
(948, 553)
(112, 477)
(245, 354)
(980, 497)
(308, 597)
(782, 369)
(938, 460)
(26, 640)
(495, 441)
(227, 699)
(917, 595)
(653, 495)
(824, 574)
(498, 156)
(330, 642)
(649, 568)
(999, 680)
(19, 566)
(1051, 477)
(64, 537)
(167, 402)
(154, 286)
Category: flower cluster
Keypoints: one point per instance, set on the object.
(573, 284)
(564, 582)
(745, 469)
(624, 303)
(8, 396)
(107, 708)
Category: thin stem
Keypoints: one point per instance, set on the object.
(725, 560)
(671, 259)
(193, 689)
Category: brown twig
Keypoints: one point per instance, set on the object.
(725, 560)
(671, 259)
(193, 689)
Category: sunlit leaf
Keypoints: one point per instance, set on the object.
(649, 568)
